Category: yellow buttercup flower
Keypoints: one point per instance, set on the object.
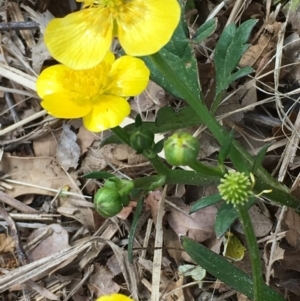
(114, 297)
(81, 39)
(98, 95)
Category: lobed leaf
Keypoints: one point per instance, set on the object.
(205, 30)
(229, 50)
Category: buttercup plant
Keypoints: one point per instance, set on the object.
(93, 85)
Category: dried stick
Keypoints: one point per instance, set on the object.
(18, 25)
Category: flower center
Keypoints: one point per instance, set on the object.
(116, 7)
(89, 82)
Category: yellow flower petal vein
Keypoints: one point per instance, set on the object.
(81, 39)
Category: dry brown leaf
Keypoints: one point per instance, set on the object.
(101, 282)
(152, 98)
(117, 152)
(173, 290)
(247, 94)
(88, 217)
(126, 211)
(85, 139)
(291, 260)
(7, 244)
(291, 223)
(94, 160)
(262, 225)
(113, 265)
(40, 171)
(79, 291)
(255, 52)
(46, 145)
(39, 53)
(208, 145)
(56, 239)
(68, 151)
(173, 245)
(8, 261)
(121, 155)
(199, 225)
(279, 254)
(242, 297)
(152, 202)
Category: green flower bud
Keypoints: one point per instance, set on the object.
(141, 139)
(181, 149)
(235, 188)
(113, 183)
(126, 186)
(108, 202)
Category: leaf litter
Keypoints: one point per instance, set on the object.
(72, 252)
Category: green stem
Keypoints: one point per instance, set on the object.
(216, 102)
(172, 176)
(242, 161)
(205, 169)
(121, 134)
(257, 275)
(156, 162)
(198, 105)
(136, 217)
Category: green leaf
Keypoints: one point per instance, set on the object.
(205, 30)
(223, 270)
(240, 73)
(138, 121)
(158, 147)
(179, 55)
(99, 175)
(170, 120)
(111, 139)
(190, 178)
(225, 148)
(150, 183)
(190, 5)
(136, 217)
(260, 157)
(229, 50)
(205, 202)
(226, 215)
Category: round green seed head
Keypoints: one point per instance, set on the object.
(235, 188)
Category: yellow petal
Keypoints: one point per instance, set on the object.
(114, 297)
(66, 105)
(51, 80)
(81, 39)
(129, 76)
(144, 27)
(108, 112)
